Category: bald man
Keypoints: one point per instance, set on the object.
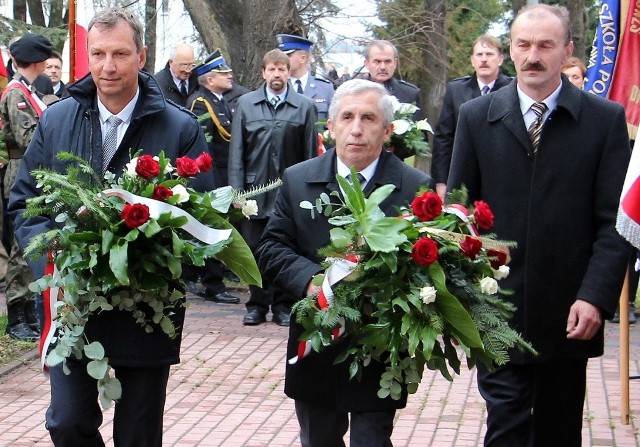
(177, 79)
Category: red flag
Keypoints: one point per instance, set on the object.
(625, 86)
(628, 223)
(3, 73)
(81, 56)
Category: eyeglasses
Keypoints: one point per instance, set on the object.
(187, 67)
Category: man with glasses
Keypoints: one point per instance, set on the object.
(177, 80)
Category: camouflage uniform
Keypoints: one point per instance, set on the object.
(20, 120)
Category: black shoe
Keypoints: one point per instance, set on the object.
(23, 332)
(196, 288)
(223, 297)
(254, 317)
(281, 318)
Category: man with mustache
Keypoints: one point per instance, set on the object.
(486, 59)
(381, 60)
(550, 159)
(273, 127)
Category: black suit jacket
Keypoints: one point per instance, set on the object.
(169, 88)
(559, 206)
(458, 92)
(288, 254)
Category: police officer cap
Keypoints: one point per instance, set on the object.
(213, 62)
(288, 43)
(31, 48)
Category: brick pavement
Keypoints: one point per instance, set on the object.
(227, 391)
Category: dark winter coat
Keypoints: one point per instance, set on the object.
(559, 207)
(73, 125)
(288, 253)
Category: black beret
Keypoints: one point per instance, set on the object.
(31, 48)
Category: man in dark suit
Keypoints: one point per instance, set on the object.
(360, 119)
(214, 77)
(550, 161)
(486, 59)
(301, 79)
(274, 127)
(177, 79)
(53, 69)
(381, 60)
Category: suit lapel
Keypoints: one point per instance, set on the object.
(505, 107)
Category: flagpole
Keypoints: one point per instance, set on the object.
(623, 312)
(72, 41)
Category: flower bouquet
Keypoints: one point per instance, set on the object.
(121, 244)
(408, 290)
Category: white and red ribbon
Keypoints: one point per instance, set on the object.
(49, 299)
(463, 214)
(339, 269)
(156, 208)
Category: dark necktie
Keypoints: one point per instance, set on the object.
(485, 90)
(183, 88)
(299, 86)
(275, 101)
(360, 177)
(110, 142)
(536, 126)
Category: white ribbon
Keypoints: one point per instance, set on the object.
(156, 208)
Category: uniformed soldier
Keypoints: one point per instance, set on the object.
(320, 90)
(215, 78)
(381, 60)
(20, 109)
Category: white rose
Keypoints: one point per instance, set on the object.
(501, 273)
(424, 125)
(428, 294)
(131, 167)
(396, 103)
(489, 286)
(407, 108)
(250, 208)
(180, 192)
(400, 126)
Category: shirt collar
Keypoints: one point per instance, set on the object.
(177, 81)
(125, 113)
(343, 170)
(303, 80)
(550, 101)
(271, 95)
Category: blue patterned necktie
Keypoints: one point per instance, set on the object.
(110, 142)
(485, 90)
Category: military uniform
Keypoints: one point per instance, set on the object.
(215, 119)
(20, 110)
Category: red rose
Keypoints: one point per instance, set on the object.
(483, 214)
(499, 258)
(470, 246)
(426, 207)
(204, 162)
(147, 167)
(135, 214)
(187, 167)
(425, 251)
(161, 192)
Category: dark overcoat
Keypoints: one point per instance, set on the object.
(559, 206)
(288, 254)
(458, 92)
(73, 125)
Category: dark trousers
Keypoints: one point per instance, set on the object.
(74, 416)
(323, 427)
(211, 275)
(261, 298)
(537, 405)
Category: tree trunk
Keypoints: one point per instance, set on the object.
(20, 10)
(150, 19)
(35, 12)
(578, 16)
(518, 5)
(244, 30)
(434, 83)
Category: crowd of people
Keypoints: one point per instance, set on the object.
(548, 157)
